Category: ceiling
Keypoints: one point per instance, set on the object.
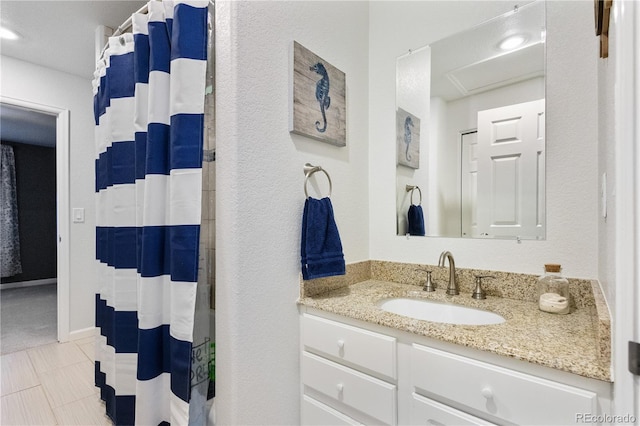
(471, 62)
(20, 125)
(59, 35)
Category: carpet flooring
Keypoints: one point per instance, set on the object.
(28, 317)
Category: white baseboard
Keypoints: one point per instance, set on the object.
(83, 334)
(32, 283)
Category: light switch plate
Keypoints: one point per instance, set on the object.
(78, 215)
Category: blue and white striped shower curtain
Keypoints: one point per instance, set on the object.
(149, 114)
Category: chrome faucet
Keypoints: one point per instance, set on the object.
(452, 288)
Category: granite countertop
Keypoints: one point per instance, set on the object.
(570, 342)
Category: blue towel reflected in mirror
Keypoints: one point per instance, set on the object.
(416, 220)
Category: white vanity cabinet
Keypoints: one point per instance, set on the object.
(353, 372)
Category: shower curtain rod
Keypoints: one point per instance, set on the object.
(126, 25)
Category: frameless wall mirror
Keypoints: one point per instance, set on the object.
(470, 131)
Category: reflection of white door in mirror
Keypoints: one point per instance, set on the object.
(468, 201)
(511, 171)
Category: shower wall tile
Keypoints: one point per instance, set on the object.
(205, 177)
(212, 233)
(212, 272)
(206, 199)
(204, 233)
(208, 235)
(207, 228)
(212, 205)
(212, 176)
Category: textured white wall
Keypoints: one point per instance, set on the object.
(606, 164)
(572, 162)
(33, 83)
(260, 196)
(618, 111)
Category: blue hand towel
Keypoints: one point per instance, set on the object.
(416, 220)
(321, 249)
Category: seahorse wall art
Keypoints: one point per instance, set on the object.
(318, 98)
(322, 94)
(408, 139)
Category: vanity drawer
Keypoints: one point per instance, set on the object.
(358, 347)
(357, 390)
(425, 411)
(315, 413)
(496, 391)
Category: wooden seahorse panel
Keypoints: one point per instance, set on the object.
(408, 139)
(307, 118)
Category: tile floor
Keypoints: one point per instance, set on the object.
(51, 385)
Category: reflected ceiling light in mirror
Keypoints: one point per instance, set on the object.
(7, 34)
(512, 42)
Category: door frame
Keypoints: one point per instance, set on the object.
(62, 206)
(464, 184)
(626, 16)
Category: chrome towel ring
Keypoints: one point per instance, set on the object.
(413, 188)
(310, 169)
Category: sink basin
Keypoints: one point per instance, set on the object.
(431, 310)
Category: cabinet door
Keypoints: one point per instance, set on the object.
(359, 348)
(425, 411)
(356, 390)
(495, 391)
(315, 413)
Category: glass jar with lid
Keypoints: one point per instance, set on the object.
(553, 290)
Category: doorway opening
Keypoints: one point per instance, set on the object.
(35, 294)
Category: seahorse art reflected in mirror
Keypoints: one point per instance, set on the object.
(408, 125)
(408, 139)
